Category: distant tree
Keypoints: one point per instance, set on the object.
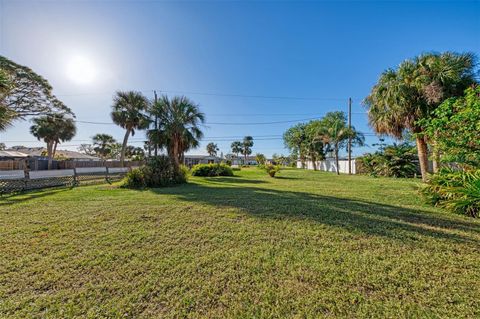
(2, 146)
(406, 95)
(334, 132)
(296, 140)
(24, 93)
(103, 144)
(237, 148)
(247, 145)
(134, 153)
(212, 149)
(260, 158)
(87, 149)
(53, 129)
(128, 111)
(179, 126)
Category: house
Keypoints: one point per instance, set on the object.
(40, 153)
(12, 155)
(190, 160)
(240, 160)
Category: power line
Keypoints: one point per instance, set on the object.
(236, 95)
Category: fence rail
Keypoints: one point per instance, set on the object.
(38, 164)
(23, 180)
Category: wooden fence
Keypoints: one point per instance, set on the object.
(21, 180)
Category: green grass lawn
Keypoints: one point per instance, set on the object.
(304, 245)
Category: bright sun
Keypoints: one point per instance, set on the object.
(81, 70)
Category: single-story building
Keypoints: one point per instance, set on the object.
(240, 160)
(190, 160)
(12, 155)
(40, 153)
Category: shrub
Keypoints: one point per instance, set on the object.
(212, 170)
(394, 161)
(272, 169)
(157, 172)
(458, 191)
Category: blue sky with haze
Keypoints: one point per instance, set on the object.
(243, 62)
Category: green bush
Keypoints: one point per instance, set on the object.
(157, 172)
(394, 161)
(271, 169)
(458, 191)
(212, 170)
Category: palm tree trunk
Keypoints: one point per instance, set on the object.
(336, 160)
(422, 156)
(54, 149)
(49, 154)
(312, 156)
(124, 147)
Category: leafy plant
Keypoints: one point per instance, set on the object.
(159, 171)
(211, 170)
(392, 161)
(455, 128)
(458, 191)
(272, 169)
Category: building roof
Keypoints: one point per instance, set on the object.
(40, 151)
(14, 154)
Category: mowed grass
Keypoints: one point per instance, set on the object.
(303, 245)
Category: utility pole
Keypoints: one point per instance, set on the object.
(350, 137)
(156, 124)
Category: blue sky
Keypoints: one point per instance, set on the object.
(243, 62)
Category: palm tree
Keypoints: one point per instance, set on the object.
(405, 95)
(247, 147)
(128, 112)
(237, 147)
(179, 126)
(212, 149)
(103, 144)
(335, 132)
(53, 129)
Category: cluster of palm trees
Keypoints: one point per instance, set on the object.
(311, 141)
(172, 124)
(243, 147)
(411, 92)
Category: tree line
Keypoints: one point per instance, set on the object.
(311, 141)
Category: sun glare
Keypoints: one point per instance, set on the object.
(80, 70)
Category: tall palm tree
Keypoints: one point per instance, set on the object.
(179, 126)
(103, 144)
(247, 147)
(212, 149)
(405, 95)
(237, 147)
(335, 133)
(128, 112)
(53, 129)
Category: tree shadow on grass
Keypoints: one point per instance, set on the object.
(232, 180)
(355, 215)
(31, 194)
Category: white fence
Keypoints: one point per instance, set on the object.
(20, 180)
(329, 165)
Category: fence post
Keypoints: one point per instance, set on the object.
(75, 179)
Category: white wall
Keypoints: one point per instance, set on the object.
(329, 165)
